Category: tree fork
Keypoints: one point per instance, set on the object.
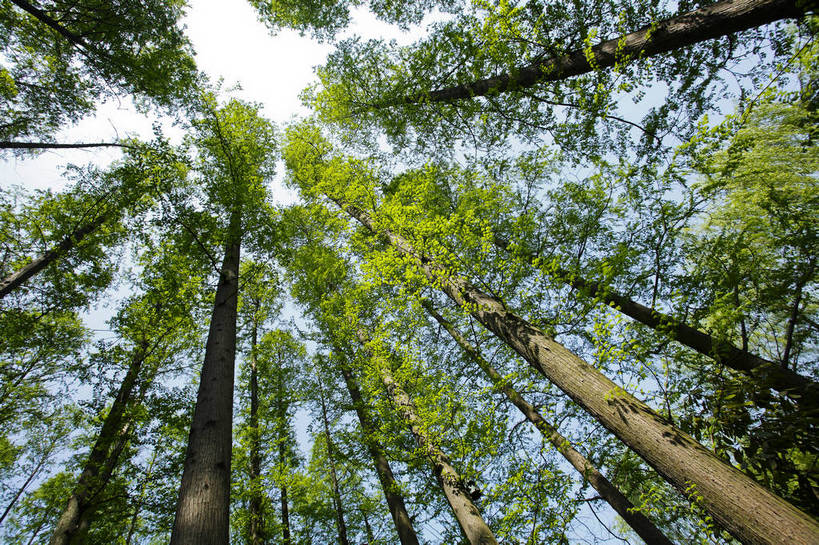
(638, 522)
(714, 21)
(804, 390)
(753, 514)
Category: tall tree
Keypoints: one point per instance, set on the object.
(691, 468)
(639, 522)
(235, 146)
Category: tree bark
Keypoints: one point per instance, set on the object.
(203, 507)
(339, 507)
(751, 513)
(719, 19)
(17, 278)
(466, 513)
(638, 522)
(395, 501)
(255, 507)
(804, 390)
(103, 457)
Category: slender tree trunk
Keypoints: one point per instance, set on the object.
(767, 373)
(17, 278)
(395, 501)
(341, 525)
(52, 145)
(285, 518)
(751, 513)
(256, 514)
(466, 512)
(132, 526)
(46, 19)
(203, 508)
(638, 522)
(719, 19)
(30, 478)
(103, 457)
(367, 527)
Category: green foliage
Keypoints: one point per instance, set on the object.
(131, 47)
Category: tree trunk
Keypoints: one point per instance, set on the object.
(46, 19)
(751, 513)
(31, 476)
(767, 373)
(17, 278)
(203, 508)
(102, 459)
(395, 501)
(285, 518)
(466, 513)
(132, 526)
(342, 527)
(51, 145)
(719, 19)
(638, 522)
(255, 508)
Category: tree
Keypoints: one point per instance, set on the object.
(691, 468)
(94, 50)
(235, 147)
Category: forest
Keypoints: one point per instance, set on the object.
(548, 275)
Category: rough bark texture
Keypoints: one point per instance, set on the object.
(203, 507)
(102, 460)
(17, 278)
(339, 507)
(395, 501)
(801, 388)
(638, 522)
(714, 21)
(750, 512)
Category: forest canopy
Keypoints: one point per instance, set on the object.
(547, 274)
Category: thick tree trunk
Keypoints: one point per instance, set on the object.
(255, 507)
(203, 508)
(751, 513)
(638, 522)
(770, 375)
(339, 507)
(719, 19)
(103, 457)
(17, 278)
(395, 501)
